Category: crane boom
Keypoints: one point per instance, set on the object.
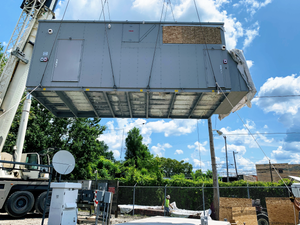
(17, 55)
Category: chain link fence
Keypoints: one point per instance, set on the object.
(194, 198)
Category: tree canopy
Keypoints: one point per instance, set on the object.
(171, 167)
(135, 147)
(79, 136)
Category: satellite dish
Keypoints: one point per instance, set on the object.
(63, 162)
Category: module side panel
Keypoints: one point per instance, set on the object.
(127, 56)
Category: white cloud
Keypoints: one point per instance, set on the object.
(251, 34)
(116, 133)
(234, 148)
(186, 159)
(198, 146)
(178, 152)
(266, 126)
(279, 86)
(184, 10)
(116, 154)
(252, 6)
(197, 163)
(4, 44)
(159, 149)
(242, 137)
(250, 63)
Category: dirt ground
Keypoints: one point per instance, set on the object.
(34, 219)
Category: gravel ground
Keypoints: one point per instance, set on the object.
(34, 219)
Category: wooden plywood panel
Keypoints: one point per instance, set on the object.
(245, 215)
(188, 34)
(191, 35)
(225, 212)
(281, 211)
(208, 35)
(235, 202)
(172, 35)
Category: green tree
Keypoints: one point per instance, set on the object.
(79, 136)
(135, 147)
(171, 167)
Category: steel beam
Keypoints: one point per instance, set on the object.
(109, 105)
(47, 105)
(195, 105)
(129, 104)
(89, 101)
(147, 105)
(68, 102)
(172, 104)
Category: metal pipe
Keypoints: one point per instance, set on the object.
(271, 171)
(133, 198)
(165, 199)
(25, 164)
(226, 159)
(235, 164)
(46, 200)
(214, 171)
(203, 199)
(248, 192)
(22, 129)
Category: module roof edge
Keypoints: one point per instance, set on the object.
(133, 22)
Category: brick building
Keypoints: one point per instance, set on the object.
(284, 170)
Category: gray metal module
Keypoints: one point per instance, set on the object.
(133, 70)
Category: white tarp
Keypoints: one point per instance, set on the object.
(175, 212)
(238, 56)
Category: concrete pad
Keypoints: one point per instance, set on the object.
(162, 220)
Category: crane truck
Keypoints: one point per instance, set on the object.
(23, 188)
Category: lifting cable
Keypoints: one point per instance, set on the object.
(202, 31)
(40, 84)
(245, 125)
(54, 42)
(162, 12)
(172, 11)
(109, 52)
(166, 11)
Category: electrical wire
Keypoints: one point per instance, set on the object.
(258, 134)
(277, 96)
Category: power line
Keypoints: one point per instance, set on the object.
(277, 96)
(259, 134)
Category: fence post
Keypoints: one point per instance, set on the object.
(165, 199)
(133, 198)
(248, 192)
(203, 199)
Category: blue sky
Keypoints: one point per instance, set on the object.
(268, 33)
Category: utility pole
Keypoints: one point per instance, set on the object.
(214, 170)
(271, 171)
(235, 163)
(226, 159)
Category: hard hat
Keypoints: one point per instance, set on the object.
(168, 196)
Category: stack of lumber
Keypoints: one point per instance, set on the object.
(281, 211)
(238, 211)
